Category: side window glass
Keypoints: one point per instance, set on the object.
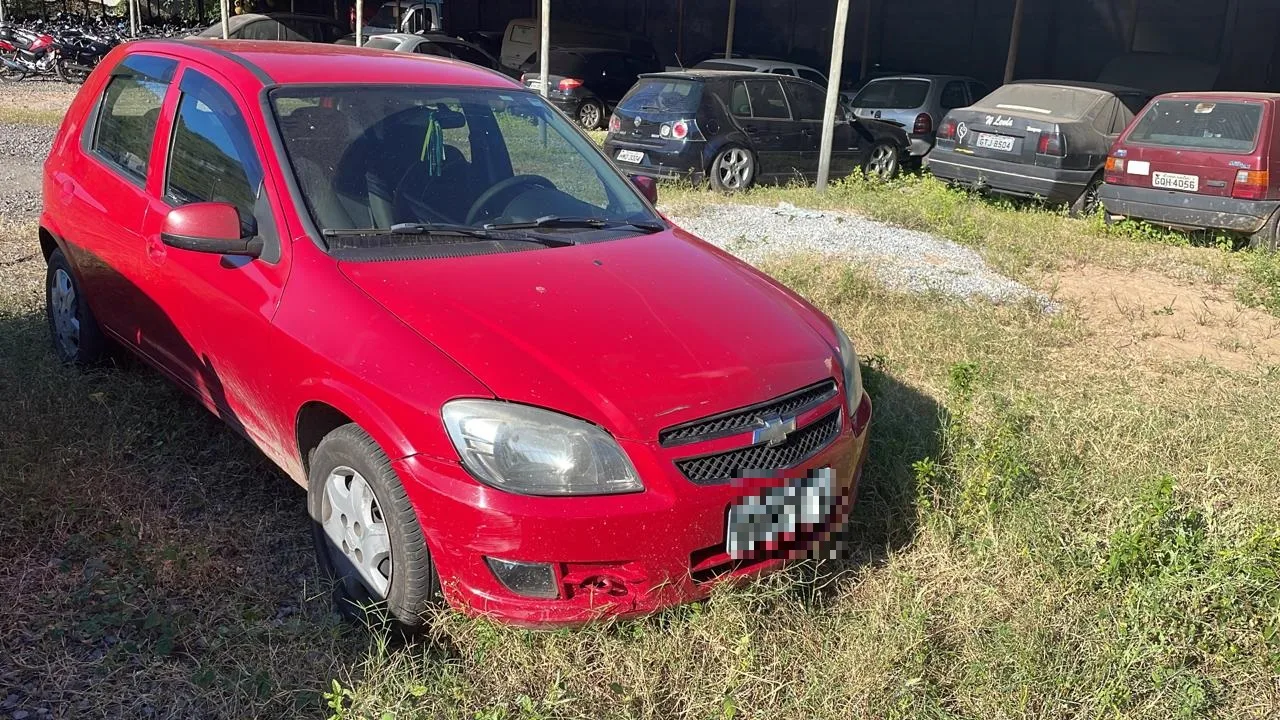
(807, 101)
(739, 101)
(767, 100)
(429, 48)
(1106, 116)
(814, 77)
(953, 96)
(127, 120)
(977, 91)
(211, 158)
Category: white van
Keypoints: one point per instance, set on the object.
(524, 36)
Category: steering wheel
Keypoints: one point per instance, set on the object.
(502, 188)
(408, 205)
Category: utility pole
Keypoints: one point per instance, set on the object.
(1015, 37)
(544, 53)
(833, 94)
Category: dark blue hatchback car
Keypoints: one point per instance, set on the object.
(739, 128)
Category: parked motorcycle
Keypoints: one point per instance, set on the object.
(24, 52)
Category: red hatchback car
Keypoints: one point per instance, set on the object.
(501, 375)
(1200, 160)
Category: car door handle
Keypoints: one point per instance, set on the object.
(807, 131)
(751, 129)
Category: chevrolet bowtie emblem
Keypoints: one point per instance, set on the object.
(773, 431)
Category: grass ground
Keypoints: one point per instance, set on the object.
(1063, 515)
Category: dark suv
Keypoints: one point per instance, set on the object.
(737, 128)
(586, 83)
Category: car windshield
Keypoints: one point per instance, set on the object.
(1199, 124)
(371, 157)
(891, 94)
(663, 96)
(1059, 101)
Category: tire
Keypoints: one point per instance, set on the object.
(1267, 238)
(386, 567)
(733, 170)
(8, 74)
(882, 163)
(1088, 203)
(591, 115)
(77, 338)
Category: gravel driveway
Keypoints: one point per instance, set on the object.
(22, 152)
(901, 259)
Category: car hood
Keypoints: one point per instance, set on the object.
(636, 334)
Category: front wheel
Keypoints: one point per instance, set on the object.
(77, 339)
(733, 169)
(882, 163)
(10, 74)
(591, 115)
(368, 540)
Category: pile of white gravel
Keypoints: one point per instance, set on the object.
(901, 259)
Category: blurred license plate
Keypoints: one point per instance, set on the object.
(779, 513)
(1174, 181)
(994, 142)
(630, 156)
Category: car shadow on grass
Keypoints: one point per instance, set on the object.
(156, 564)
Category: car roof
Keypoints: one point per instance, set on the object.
(921, 76)
(1220, 95)
(703, 74)
(1082, 85)
(288, 63)
(759, 63)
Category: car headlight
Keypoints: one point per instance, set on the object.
(532, 451)
(852, 371)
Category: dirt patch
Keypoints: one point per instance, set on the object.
(1150, 316)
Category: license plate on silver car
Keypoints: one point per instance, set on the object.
(779, 513)
(630, 156)
(1004, 143)
(1175, 181)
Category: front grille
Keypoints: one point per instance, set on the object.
(802, 445)
(748, 418)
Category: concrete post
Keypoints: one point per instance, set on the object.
(833, 94)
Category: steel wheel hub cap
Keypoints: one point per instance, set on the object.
(735, 169)
(66, 323)
(357, 532)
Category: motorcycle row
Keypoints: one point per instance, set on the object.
(67, 46)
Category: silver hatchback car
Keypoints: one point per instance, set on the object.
(917, 103)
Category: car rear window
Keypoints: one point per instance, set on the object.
(890, 94)
(382, 43)
(660, 95)
(1049, 100)
(1200, 124)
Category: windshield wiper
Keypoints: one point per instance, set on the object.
(429, 229)
(555, 221)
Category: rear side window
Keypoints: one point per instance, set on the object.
(1231, 126)
(469, 54)
(655, 95)
(265, 29)
(211, 158)
(952, 96)
(129, 112)
(767, 100)
(891, 94)
(739, 100)
(813, 76)
(808, 102)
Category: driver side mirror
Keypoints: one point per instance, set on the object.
(647, 186)
(210, 227)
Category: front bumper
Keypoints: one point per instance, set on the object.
(920, 145)
(1009, 178)
(1187, 210)
(614, 556)
(672, 160)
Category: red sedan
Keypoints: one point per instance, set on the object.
(501, 375)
